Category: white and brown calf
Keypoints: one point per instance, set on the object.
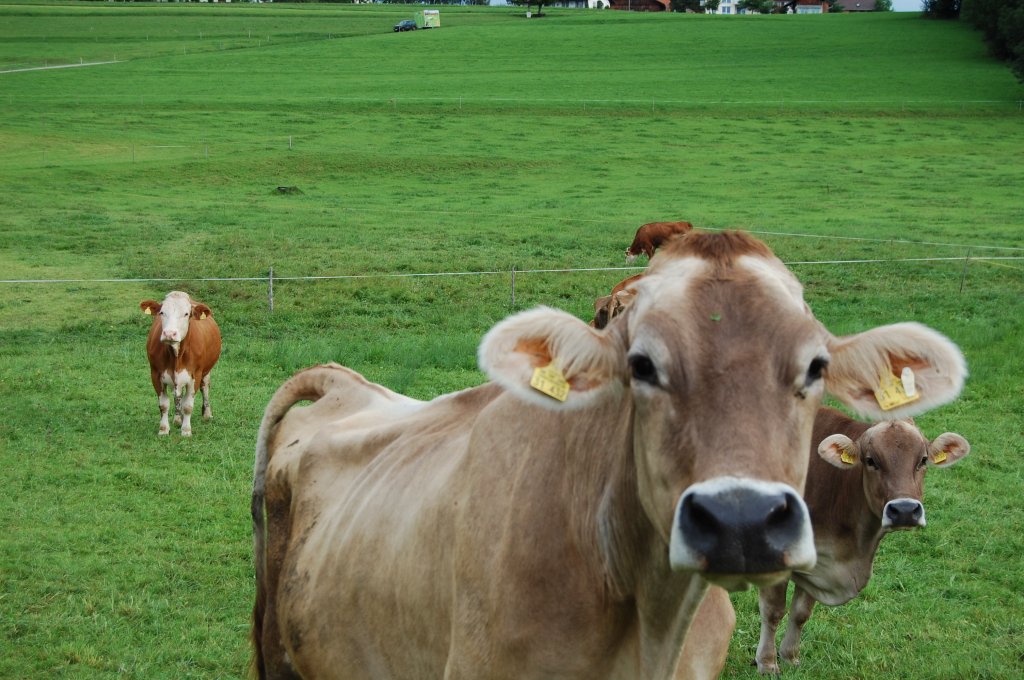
(867, 480)
(183, 345)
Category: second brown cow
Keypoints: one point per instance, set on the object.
(865, 481)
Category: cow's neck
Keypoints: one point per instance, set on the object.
(847, 535)
(634, 556)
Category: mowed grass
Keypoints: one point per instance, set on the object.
(491, 144)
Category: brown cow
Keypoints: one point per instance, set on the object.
(652, 236)
(610, 306)
(566, 519)
(865, 481)
(183, 345)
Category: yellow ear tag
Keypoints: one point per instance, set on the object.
(891, 392)
(549, 380)
(940, 457)
(202, 316)
(847, 457)
(148, 311)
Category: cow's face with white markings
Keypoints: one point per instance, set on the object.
(175, 313)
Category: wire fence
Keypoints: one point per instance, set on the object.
(270, 278)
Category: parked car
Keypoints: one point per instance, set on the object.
(405, 25)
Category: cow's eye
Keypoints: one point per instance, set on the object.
(870, 462)
(924, 461)
(643, 369)
(815, 370)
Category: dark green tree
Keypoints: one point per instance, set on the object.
(759, 6)
(941, 9)
(883, 5)
(684, 5)
(1002, 23)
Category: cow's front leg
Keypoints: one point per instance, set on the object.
(205, 386)
(177, 407)
(772, 604)
(799, 612)
(186, 388)
(164, 402)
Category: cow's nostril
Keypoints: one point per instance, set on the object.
(781, 513)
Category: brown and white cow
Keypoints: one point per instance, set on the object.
(183, 345)
(651, 236)
(499, 532)
(865, 481)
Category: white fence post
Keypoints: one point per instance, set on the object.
(270, 289)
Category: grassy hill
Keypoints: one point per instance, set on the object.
(493, 143)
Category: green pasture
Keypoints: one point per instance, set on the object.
(881, 156)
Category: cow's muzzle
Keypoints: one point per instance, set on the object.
(738, 531)
(903, 513)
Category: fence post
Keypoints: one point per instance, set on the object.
(270, 289)
(513, 286)
(963, 274)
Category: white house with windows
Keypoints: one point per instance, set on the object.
(802, 7)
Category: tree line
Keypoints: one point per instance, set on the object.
(1001, 22)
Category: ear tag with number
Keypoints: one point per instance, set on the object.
(202, 316)
(891, 392)
(847, 457)
(549, 380)
(940, 457)
(148, 311)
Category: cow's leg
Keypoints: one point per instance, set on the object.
(799, 613)
(165, 405)
(772, 603)
(186, 388)
(205, 386)
(706, 646)
(177, 407)
(162, 385)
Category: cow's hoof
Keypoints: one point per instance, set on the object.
(186, 433)
(177, 420)
(768, 668)
(207, 416)
(164, 431)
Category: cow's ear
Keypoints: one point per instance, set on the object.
(552, 359)
(947, 449)
(150, 307)
(895, 371)
(200, 311)
(840, 450)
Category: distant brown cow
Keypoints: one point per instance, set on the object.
(652, 236)
(864, 481)
(607, 307)
(183, 345)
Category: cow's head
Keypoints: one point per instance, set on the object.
(722, 366)
(892, 458)
(630, 255)
(175, 313)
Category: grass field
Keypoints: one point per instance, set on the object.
(491, 144)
